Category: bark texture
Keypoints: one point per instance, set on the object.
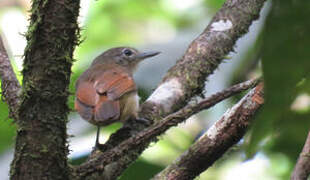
(217, 140)
(183, 81)
(187, 78)
(302, 167)
(41, 149)
(9, 84)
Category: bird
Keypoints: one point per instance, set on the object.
(106, 92)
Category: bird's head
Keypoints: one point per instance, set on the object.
(124, 56)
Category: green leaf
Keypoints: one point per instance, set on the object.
(286, 63)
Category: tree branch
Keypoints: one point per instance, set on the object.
(148, 135)
(187, 78)
(217, 140)
(302, 167)
(10, 86)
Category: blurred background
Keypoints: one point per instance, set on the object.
(167, 26)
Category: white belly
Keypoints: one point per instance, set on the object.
(130, 107)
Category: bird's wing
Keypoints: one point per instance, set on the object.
(98, 99)
(114, 83)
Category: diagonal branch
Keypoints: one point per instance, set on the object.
(302, 167)
(217, 140)
(148, 135)
(187, 78)
(10, 86)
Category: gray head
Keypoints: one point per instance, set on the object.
(124, 56)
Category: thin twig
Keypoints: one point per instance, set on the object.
(149, 134)
(302, 167)
(10, 86)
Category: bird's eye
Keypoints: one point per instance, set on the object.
(128, 52)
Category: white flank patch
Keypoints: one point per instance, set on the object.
(221, 25)
(166, 93)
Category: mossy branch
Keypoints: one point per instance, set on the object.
(10, 86)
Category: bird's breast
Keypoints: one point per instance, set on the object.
(129, 105)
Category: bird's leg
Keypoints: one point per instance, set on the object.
(98, 146)
(97, 137)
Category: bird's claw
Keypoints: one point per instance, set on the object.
(144, 121)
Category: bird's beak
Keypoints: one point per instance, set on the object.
(145, 55)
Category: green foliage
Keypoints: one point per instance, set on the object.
(124, 22)
(214, 4)
(291, 135)
(141, 170)
(286, 68)
(7, 128)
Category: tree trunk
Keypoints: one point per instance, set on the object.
(41, 150)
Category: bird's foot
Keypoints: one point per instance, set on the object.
(99, 147)
(143, 121)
